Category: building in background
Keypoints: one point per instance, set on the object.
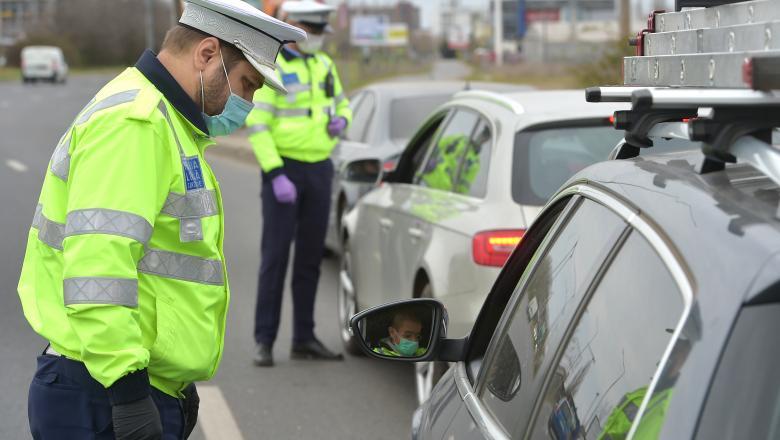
(549, 30)
(17, 17)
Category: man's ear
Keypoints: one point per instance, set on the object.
(205, 51)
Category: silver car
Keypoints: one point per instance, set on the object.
(467, 186)
(385, 116)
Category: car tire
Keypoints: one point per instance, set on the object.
(347, 300)
(427, 374)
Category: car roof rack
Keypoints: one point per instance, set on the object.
(711, 75)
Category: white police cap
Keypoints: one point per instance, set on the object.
(254, 33)
(308, 12)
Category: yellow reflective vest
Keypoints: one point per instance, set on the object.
(124, 268)
(295, 126)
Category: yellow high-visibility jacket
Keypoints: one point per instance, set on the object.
(124, 268)
(295, 126)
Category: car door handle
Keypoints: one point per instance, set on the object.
(415, 233)
(385, 223)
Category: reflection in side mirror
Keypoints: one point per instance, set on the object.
(405, 330)
(363, 171)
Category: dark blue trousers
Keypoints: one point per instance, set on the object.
(305, 222)
(65, 402)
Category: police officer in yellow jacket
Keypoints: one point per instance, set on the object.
(292, 138)
(124, 271)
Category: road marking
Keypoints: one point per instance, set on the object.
(214, 415)
(16, 165)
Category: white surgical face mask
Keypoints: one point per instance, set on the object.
(313, 44)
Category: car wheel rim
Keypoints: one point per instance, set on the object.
(347, 306)
(423, 372)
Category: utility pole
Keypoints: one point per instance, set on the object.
(625, 18)
(573, 7)
(150, 25)
(498, 31)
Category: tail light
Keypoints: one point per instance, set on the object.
(493, 248)
(390, 165)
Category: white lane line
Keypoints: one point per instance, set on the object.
(214, 415)
(16, 165)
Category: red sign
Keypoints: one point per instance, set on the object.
(532, 15)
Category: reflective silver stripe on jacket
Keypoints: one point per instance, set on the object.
(161, 106)
(181, 267)
(298, 88)
(265, 106)
(258, 128)
(340, 98)
(49, 232)
(108, 221)
(95, 290)
(60, 162)
(292, 112)
(111, 101)
(193, 204)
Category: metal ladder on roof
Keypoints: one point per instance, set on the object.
(711, 74)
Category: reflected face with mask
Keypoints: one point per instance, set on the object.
(405, 333)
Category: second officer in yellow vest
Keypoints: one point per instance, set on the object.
(292, 137)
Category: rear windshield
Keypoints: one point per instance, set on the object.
(546, 157)
(406, 114)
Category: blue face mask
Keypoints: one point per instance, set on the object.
(406, 347)
(232, 117)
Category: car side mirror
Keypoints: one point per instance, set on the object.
(363, 171)
(412, 330)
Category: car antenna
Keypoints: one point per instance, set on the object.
(467, 86)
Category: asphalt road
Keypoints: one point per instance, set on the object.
(355, 399)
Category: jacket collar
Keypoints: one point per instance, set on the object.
(289, 54)
(159, 76)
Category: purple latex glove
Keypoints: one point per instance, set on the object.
(336, 126)
(284, 189)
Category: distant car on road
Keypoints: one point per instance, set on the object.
(385, 116)
(43, 63)
(466, 188)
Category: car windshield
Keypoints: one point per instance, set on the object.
(406, 114)
(545, 158)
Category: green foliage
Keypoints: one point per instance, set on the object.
(607, 69)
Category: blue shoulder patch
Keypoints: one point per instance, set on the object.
(193, 175)
(290, 78)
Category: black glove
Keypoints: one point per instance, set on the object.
(191, 404)
(133, 411)
(137, 420)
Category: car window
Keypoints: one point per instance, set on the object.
(443, 161)
(475, 163)
(601, 379)
(406, 114)
(361, 118)
(413, 156)
(545, 300)
(744, 401)
(545, 158)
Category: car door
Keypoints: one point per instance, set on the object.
(423, 205)
(505, 377)
(375, 276)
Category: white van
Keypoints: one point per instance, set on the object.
(43, 63)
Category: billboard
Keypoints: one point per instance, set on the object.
(459, 32)
(376, 30)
